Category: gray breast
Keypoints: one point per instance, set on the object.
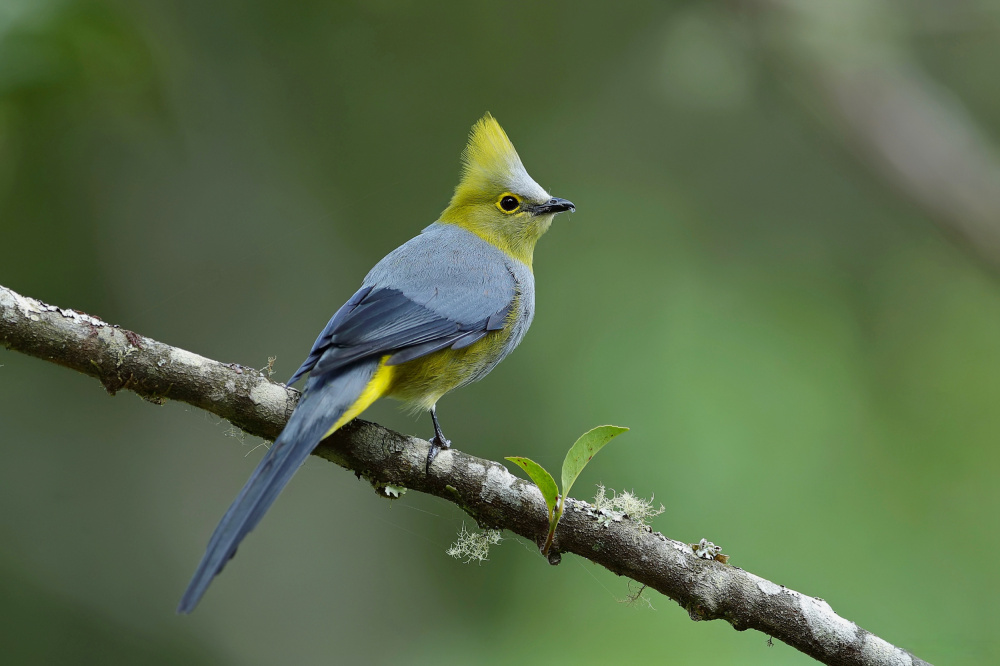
(524, 280)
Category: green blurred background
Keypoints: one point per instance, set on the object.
(808, 355)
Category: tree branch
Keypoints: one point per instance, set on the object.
(484, 489)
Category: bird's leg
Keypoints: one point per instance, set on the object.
(438, 441)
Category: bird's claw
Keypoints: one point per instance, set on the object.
(437, 442)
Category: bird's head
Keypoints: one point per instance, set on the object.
(496, 199)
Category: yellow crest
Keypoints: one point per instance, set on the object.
(489, 155)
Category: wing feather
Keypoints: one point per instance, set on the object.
(443, 288)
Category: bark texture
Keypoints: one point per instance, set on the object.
(706, 588)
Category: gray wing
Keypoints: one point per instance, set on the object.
(444, 288)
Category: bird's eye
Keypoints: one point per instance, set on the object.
(509, 203)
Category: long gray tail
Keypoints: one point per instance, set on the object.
(317, 412)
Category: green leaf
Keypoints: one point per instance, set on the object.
(583, 450)
(542, 479)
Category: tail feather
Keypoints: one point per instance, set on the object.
(319, 410)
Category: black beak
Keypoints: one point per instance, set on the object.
(554, 205)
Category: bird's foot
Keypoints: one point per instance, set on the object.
(437, 442)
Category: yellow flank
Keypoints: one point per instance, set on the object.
(420, 383)
(377, 387)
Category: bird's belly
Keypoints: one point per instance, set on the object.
(421, 382)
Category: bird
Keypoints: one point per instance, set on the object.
(437, 313)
